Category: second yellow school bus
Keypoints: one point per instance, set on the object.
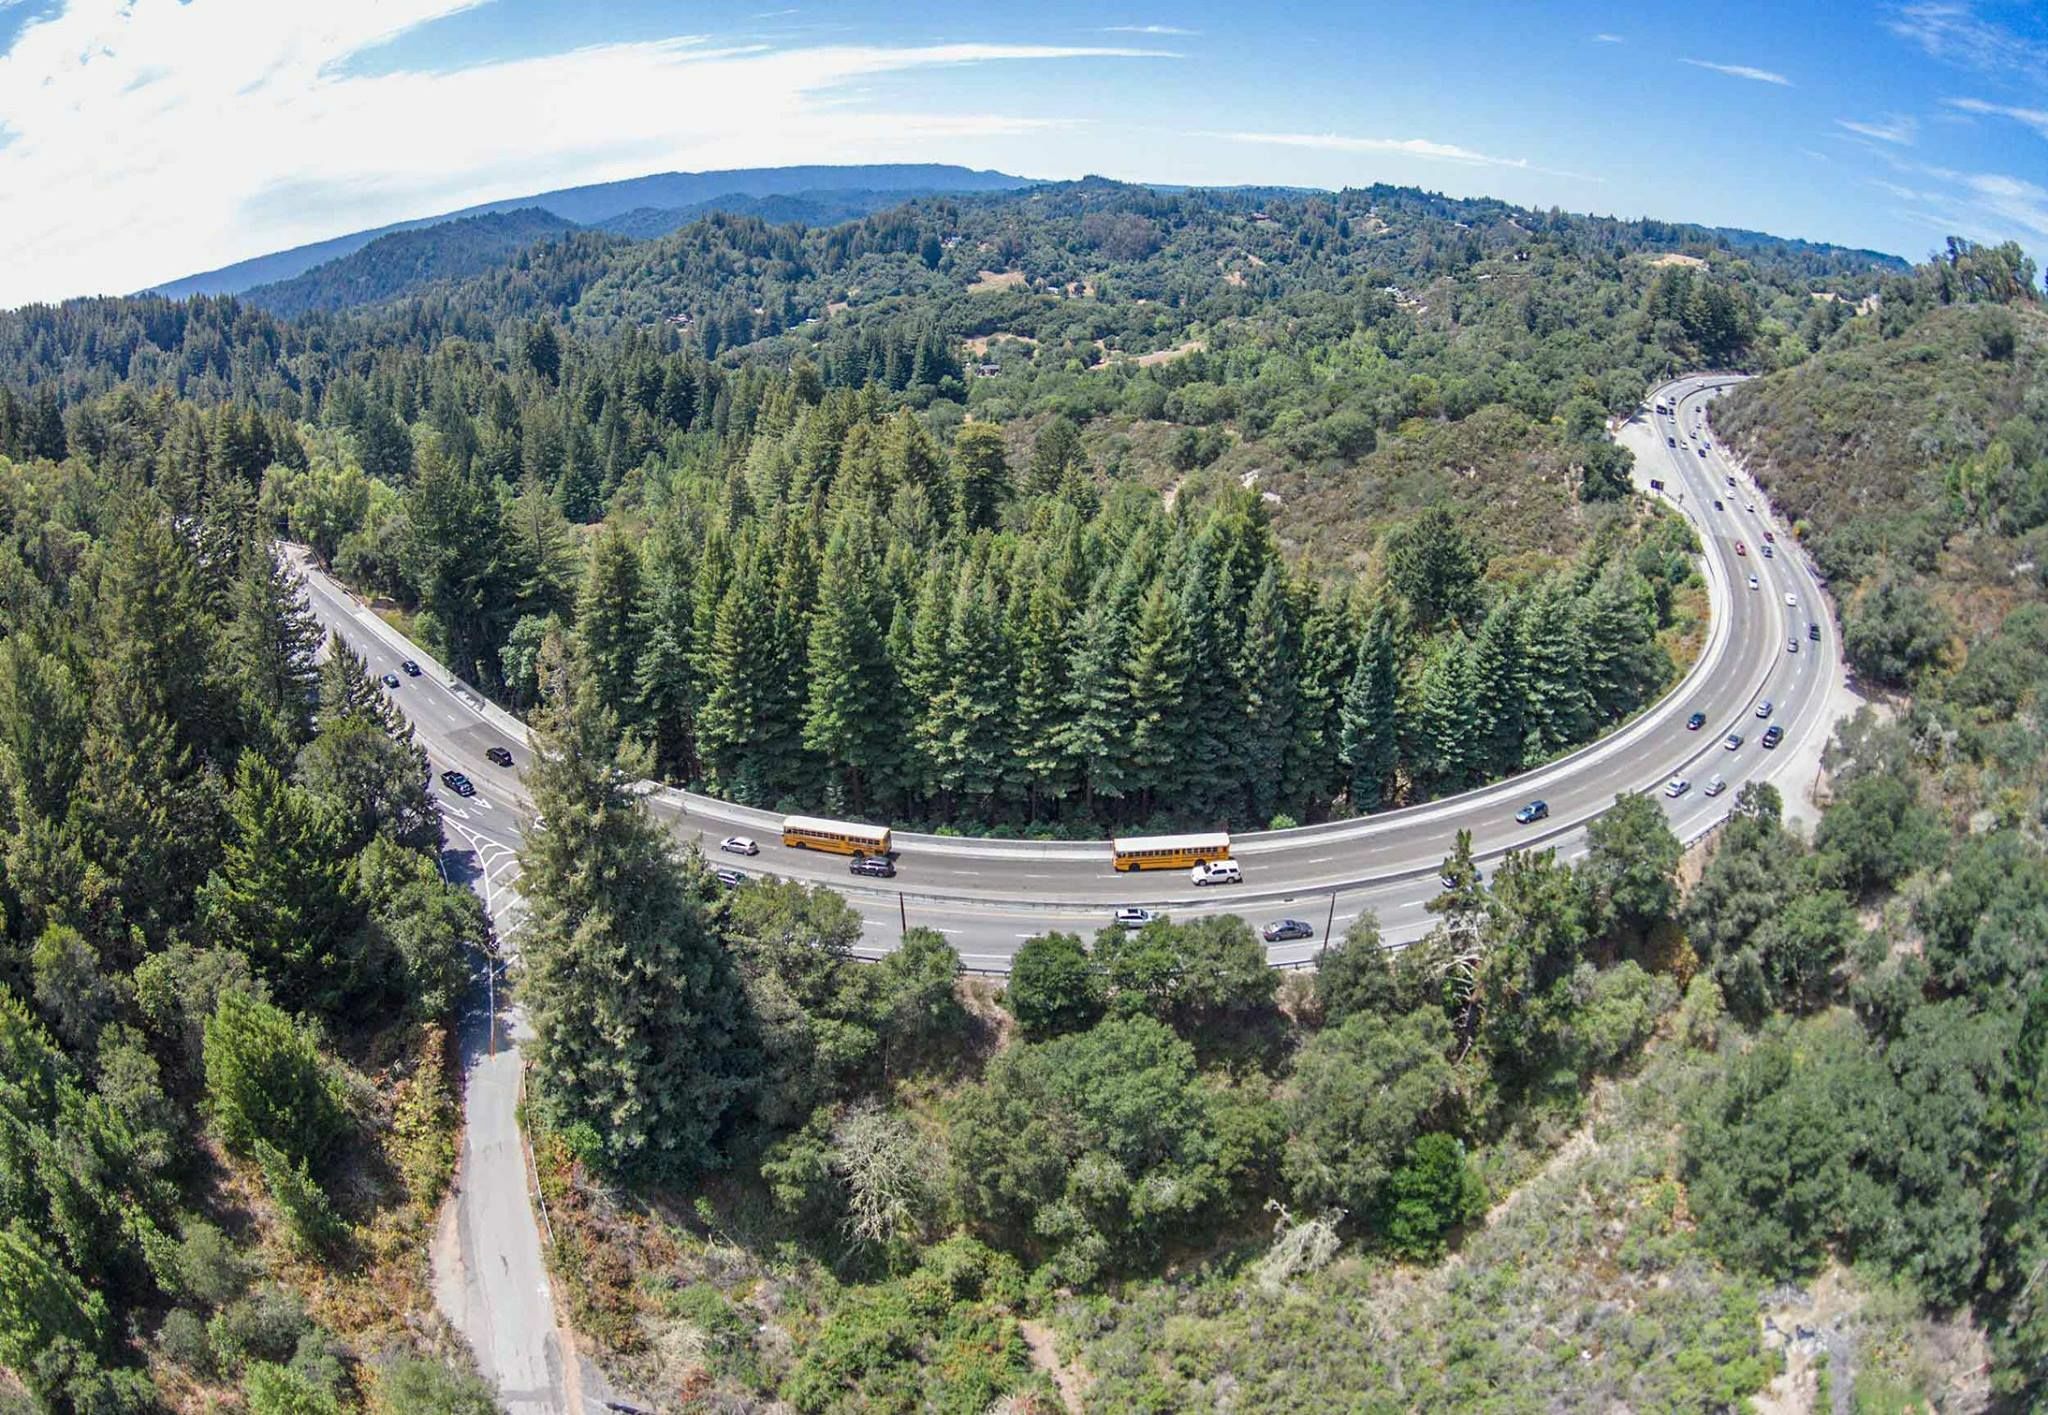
(1166, 852)
(840, 837)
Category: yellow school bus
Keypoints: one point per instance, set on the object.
(840, 837)
(1166, 852)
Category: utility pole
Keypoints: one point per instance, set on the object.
(902, 915)
(1331, 922)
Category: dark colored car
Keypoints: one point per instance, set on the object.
(1696, 722)
(1285, 931)
(1534, 811)
(458, 783)
(1774, 735)
(412, 670)
(498, 756)
(1813, 632)
(879, 866)
(1717, 505)
(391, 680)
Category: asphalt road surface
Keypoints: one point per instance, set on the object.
(988, 897)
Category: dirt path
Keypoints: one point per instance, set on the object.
(1073, 1383)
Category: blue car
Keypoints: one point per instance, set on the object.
(1696, 722)
(1534, 811)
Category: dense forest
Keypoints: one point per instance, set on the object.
(227, 973)
(1022, 513)
(868, 516)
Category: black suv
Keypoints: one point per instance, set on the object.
(458, 783)
(499, 756)
(880, 866)
(1773, 735)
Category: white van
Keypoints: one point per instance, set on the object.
(1217, 872)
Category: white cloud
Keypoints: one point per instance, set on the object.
(1426, 149)
(1608, 39)
(1899, 128)
(1147, 29)
(1742, 71)
(145, 139)
(2015, 201)
(1951, 32)
(2035, 118)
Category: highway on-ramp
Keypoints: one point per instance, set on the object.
(987, 897)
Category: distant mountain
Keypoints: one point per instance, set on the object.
(401, 263)
(819, 208)
(593, 204)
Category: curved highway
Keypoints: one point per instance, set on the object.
(989, 896)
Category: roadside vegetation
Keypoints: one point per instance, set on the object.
(227, 971)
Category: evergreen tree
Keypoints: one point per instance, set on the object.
(1044, 651)
(983, 474)
(281, 893)
(1499, 690)
(967, 725)
(1097, 734)
(272, 638)
(1157, 688)
(846, 719)
(608, 624)
(1055, 452)
(1444, 724)
(732, 726)
(1554, 684)
(640, 1056)
(665, 682)
(1371, 716)
(1265, 670)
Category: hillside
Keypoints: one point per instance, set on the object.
(825, 207)
(1912, 451)
(591, 205)
(406, 262)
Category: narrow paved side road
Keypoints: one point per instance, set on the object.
(490, 1277)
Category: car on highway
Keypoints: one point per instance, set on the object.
(391, 680)
(1716, 784)
(1792, 644)
(1766, 708)
(1753, 583)
(1696, 722)
(1286, 931)
(1774, 736)
(1731, 482)
(729, 877)
(458, 783)
(1217, 872)
(1670, 441)
(498, 756)
(1133, 917)
(1767, 552)
(1741, 549)
(1533, 812)
(1770, 535)
(1677, 786)
(412, 670)
(1717, 503)
(1449, 881)
(1751, 508)
(1813, 632)
(1733, 741)
(875, 866)
(739, 845)
(1791, 600)
(1703, 453)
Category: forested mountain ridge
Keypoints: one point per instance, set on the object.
(406, 261)
(594, 204)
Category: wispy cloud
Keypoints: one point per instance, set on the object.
(1608, 39)
(1742, 71)
(2015, 200)
(161, 137)
(2035, 118)
(1427, 149)
(1953, 32)
(1147, 29)
(1899, 128)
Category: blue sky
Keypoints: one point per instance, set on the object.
(145, 139)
